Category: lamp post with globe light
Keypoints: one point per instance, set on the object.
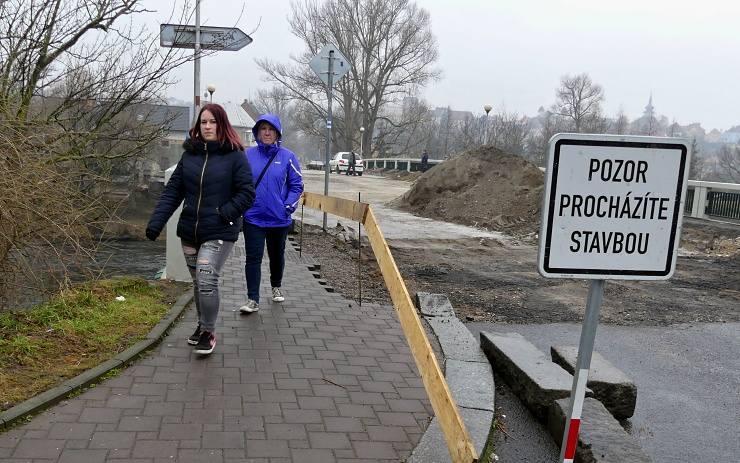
(211, 88)
(362, 135)
(487, 108)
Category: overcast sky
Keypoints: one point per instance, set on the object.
(512, 53)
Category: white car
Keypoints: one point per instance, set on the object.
(340, 163)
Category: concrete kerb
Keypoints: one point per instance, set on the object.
(53, 396)
(544, 387)
(468, 374)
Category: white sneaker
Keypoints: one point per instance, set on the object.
(251, 306)
(277, 295)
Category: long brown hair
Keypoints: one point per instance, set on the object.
(225, 132)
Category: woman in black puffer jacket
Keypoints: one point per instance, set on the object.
(213, 181)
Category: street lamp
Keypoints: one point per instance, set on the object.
(211, 88)
(362, 135)
(487, 108)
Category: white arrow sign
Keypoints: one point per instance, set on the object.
(320, 64)
(211, 38)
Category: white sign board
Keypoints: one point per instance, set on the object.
(211, 38)
(613, 207)
(320, 64)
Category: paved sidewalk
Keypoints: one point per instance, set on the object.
(316, 378)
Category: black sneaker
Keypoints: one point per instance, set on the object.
(206, 343)
(195, 337)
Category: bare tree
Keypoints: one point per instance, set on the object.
(400, 131)
(442, 143)
(508, 132)
(392, 51)
(578, 99)
(467, 133)
(696, 168)
(649, 125)
(538, 140)
(729, 163)
(674, 130)
(621, 124)
(74, 80)
(277, 101)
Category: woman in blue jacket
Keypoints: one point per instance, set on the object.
(213, 181)
(279, 185)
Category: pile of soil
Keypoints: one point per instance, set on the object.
(487, 188)
(483, 187)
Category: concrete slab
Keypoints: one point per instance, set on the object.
(528, 371)
(471, 384)
(456, 340)
(434, 305)
(432, 447)
(611, 385)
(468, 375)
(601, 439)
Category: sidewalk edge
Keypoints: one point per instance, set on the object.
(53, 396)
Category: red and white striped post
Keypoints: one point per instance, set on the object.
(583, 364)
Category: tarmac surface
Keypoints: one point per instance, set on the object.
(316, 378)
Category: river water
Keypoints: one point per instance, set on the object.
(138, 258)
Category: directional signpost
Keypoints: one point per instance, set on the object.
(330, 65)
(211, 38)
(612, 209)
(197, 37)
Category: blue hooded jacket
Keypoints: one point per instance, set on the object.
(279, 190)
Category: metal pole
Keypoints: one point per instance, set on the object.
(300, 241)
(196, 62)
(359, 252)
(328, 130)
(485, 137)
(583, 363)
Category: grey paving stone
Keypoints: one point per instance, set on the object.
(610, 385)
(601, 439)
(528, 371)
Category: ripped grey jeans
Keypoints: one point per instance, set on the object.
(204, 262)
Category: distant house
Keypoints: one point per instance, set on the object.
(174, 122)
(241, 121)
(729, 137)
(713, 136)
(447, 114)
(250, 109)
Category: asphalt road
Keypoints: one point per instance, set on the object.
(688, 376)
(377, 191)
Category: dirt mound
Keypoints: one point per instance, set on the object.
(482, 187)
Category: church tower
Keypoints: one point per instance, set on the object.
(649, 113)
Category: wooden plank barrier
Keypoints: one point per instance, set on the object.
(453, 429)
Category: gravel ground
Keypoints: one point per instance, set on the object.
(339, 259)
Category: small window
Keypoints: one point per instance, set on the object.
(165, 143)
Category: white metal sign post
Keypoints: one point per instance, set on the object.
(612, 209)
(330, 65)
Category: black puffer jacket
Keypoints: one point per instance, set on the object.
(216, 186)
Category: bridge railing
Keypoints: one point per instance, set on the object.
(409, 164)
(713, 199)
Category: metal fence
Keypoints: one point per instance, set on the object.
(723, 204)
(713, 199)
(687, 206)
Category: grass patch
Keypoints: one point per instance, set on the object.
(81, 328)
